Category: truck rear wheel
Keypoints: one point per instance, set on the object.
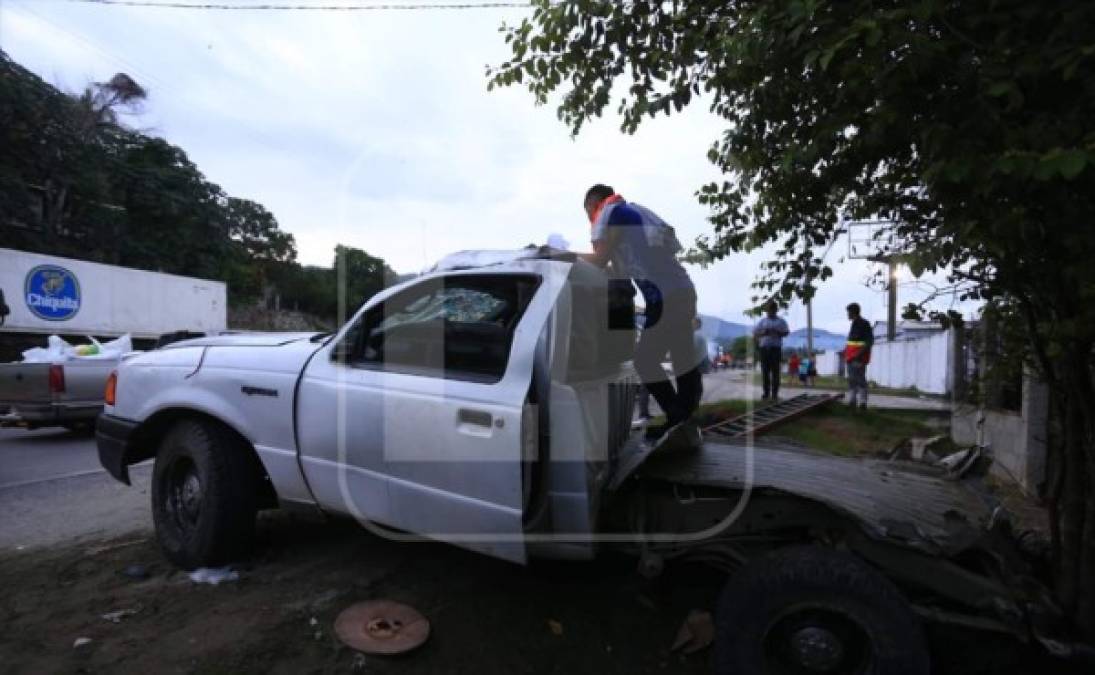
(203, 495)
(812, 610)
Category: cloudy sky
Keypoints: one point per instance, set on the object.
(375, 129)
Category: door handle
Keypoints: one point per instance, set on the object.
(479, 418)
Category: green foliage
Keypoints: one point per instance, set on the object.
(740, 347)
(968, 124)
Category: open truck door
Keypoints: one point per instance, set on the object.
(449, 359)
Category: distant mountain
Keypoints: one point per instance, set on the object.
(823, 340)
(716, 329)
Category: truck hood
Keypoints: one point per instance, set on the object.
(243, 340)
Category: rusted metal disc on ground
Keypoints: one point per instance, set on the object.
(382, 627)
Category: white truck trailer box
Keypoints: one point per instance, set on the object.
(51, 295)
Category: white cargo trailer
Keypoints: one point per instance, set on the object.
(50, 295)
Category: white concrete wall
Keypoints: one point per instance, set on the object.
(1016, 439)
(924, 363)
(829, 363)
(114, 300)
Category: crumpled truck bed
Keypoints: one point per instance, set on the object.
(908, 504)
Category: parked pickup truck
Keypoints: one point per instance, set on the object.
(488, 404)
(68, 394)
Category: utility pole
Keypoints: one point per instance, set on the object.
(891, 310)
(810, 326)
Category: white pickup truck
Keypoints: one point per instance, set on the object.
(488, 404)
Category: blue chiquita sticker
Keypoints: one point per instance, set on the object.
(52, 293)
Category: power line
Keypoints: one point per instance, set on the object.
(172, 4)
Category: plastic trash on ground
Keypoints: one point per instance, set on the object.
(214, 575)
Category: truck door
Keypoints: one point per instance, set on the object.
(416, 416)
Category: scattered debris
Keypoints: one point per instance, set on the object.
(918, 449)
(963, 462)
(80, 642)
(136, 572)
(214, 575)
(555, 626)
(117, 616)
(696, 633)
(382, 627)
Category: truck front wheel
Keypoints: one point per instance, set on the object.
(812, 610)
(203, 495)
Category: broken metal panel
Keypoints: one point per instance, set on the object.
(919, 511)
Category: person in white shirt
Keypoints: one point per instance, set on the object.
(769, 333)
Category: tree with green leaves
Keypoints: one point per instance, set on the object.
(969, 125)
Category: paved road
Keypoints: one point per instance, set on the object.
(30, 456)
(53, 490)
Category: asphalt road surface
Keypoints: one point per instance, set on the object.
(53, 490)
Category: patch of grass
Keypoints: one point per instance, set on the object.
(711, 413)
(837, 429)
(840, 430)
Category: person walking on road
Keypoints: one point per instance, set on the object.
(642, 247)
(769, 333)
(857, 354)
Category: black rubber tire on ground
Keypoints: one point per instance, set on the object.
(204, 489)
(814, 610)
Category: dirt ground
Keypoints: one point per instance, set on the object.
(487, 616)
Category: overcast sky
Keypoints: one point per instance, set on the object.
(375, 129)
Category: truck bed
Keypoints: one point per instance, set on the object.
(895, 501)
(25, 390)
(24, 383)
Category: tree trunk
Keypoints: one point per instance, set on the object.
(1073, 507)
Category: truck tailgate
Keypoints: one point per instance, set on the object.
(891, 500)
(24, 383)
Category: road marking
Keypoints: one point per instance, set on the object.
(74, 474)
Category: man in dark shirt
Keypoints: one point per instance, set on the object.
(857, 354)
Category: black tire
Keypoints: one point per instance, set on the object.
(204, 491)
(813, 610)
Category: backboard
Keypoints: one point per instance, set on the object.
(872, 239)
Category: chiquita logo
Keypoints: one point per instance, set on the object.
(52, 293)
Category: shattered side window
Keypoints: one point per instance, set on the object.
(458, 327)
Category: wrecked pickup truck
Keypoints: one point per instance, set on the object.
(488, 404)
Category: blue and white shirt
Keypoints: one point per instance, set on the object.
(765, 327)
(645, 250)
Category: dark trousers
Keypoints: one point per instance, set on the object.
(769, 370)
(668, 329)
